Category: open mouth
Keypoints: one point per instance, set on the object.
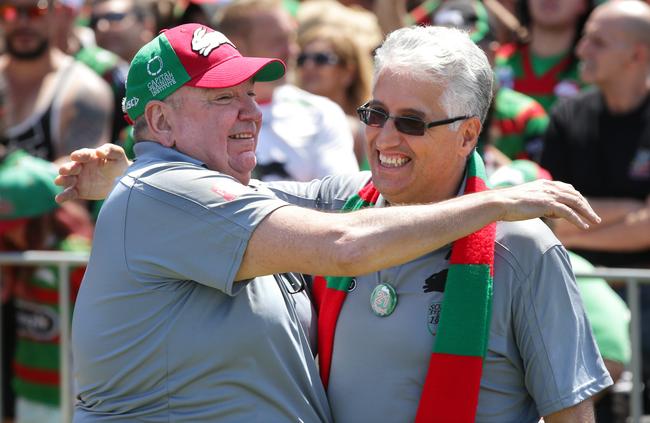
(242, 136)
(393, 161)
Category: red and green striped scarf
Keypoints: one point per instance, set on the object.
(451, 387)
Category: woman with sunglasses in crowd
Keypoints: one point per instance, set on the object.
(333, 64)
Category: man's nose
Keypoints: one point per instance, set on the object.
(250, 110)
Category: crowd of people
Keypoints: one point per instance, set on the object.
(204, 146)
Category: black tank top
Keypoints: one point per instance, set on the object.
(34, 135)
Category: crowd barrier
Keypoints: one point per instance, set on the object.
(65, 260)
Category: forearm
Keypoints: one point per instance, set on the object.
(611, 211)
(390, 14)
(579, 413)
(388, 237)
(292, 239)
(295, 239)
(629, 234)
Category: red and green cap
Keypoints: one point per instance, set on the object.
(518, 172)
(192, 55)
(26, 188)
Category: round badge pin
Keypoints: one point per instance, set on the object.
(383, 300)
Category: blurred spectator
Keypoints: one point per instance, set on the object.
(545, 68)
(600, 143)
(112, 68)
(515, 123)
(199, 11)
(54, 104)
(30, 220)
(600, 140)
(362, 23)
(608, 315)
(332, 64)
(123, 26)
(303, 136)
(394, 14)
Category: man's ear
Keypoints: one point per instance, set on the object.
(469, 131)
(157, 115)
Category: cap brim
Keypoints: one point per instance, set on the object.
(239, 69)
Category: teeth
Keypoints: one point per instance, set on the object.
(392, 161)
(241, 136)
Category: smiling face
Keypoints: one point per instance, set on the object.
(218, 127)
(416, 169)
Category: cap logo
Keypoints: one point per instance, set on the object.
(161, 83)
(154, 66)
(203, 42)
(129, 104)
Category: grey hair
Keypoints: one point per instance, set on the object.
(447, 57)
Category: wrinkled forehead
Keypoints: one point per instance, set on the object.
(398, 88)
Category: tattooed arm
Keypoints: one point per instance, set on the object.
(86, 112)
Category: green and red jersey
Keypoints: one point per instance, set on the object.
(518, 125)
(542, 78)
(36, 361)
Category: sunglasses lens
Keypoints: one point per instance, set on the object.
(409, 126)
(11, 13)
(321, 59)
(372, 117)
(376, 118)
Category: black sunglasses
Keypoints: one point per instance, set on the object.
(405, 124)
(319, 58)
(111, 17)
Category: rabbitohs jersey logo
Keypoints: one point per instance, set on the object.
(203, 42)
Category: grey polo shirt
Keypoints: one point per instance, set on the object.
(162, 333)
(541, 356)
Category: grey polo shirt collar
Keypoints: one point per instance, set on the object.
(151, 150)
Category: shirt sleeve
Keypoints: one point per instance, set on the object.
(561, 361)
(327, 194)
(189, 225)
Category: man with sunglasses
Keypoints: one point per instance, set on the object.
(123, 26)
(431, 92)
(54, 104)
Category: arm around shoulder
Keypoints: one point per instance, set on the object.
(293, 239)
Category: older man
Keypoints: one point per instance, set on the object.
(196, 242)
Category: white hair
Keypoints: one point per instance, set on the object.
(447, 57)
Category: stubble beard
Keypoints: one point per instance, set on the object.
(26, 55)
